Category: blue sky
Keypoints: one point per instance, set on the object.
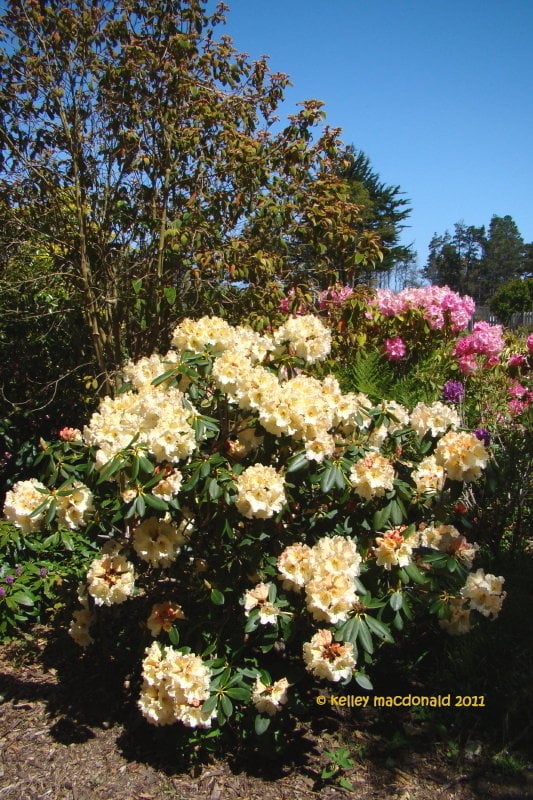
(438, 93)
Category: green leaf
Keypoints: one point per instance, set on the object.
(364, 636)
(170, 294)
(398, 622)
(261, 724)
(297, 461)
(396, 600)
(155, 502)
(140, 505)
(414, 573)
(174, 636)
(239, 693)
(210, 704)
(349, 631)
(398, 513)
(363, 681)
(381, 517)
(252, 622)
(214, 490)
(217, 597)
(379, 628)
(169, 373)
(227, 705)
(23, 598)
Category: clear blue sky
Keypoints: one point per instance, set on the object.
(438, 93)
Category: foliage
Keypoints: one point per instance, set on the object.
(138, 163)
(477, 261)
(251, 514)
(339, 760)
(383, 208)
(512, 297)
(38, 574)
(456, 261)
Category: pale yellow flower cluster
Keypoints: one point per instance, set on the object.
(258, 598)
(268, 698)
(295, 565)
(74, 509)
(244, 439)
(82, 619)
(484, 592)
(326, 572)
(448, 539)
(393, 549)
(436, 418)
(462, 455)
(195, 335)
(329, 660)
(81, 622)
(301, 407)
(141, 373)
(260, 492)
(159, 541)
(429, 476)
(111, 579)
(155, 418)
(306, 336)
(219, 336)
(22, 500)
(398, 418)
(458, 622)
(372, 476)
(169, 485)
(163, 616)
(175, 686)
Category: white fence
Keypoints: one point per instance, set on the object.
(518, 320)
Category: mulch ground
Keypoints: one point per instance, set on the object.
(67, 735)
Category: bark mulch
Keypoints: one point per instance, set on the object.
(67, 735)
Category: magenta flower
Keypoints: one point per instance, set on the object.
(516, 360)
(467, 364)
(529, 342)
(395, 348)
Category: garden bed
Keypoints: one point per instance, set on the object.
(67, 734)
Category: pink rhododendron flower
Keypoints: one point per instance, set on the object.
(286, 305)
(529, 342)
(70, 435)
(395, 348)
(467, 364)
(517, 390)
(516, 360)
(440, 304)
(517, 406)
(334, 295)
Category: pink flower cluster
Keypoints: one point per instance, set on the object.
(440, 304)
(286, 304)
(333, 295)
(395, 348)
(485, 340)
(521, 398)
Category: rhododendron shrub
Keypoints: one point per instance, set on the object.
(267, 533)
(403, 325)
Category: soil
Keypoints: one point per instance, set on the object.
(67, 734)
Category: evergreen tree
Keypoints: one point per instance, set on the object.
(384, 208)
(504, 257)
(455, 261)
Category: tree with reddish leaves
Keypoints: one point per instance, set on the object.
(139, 156)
